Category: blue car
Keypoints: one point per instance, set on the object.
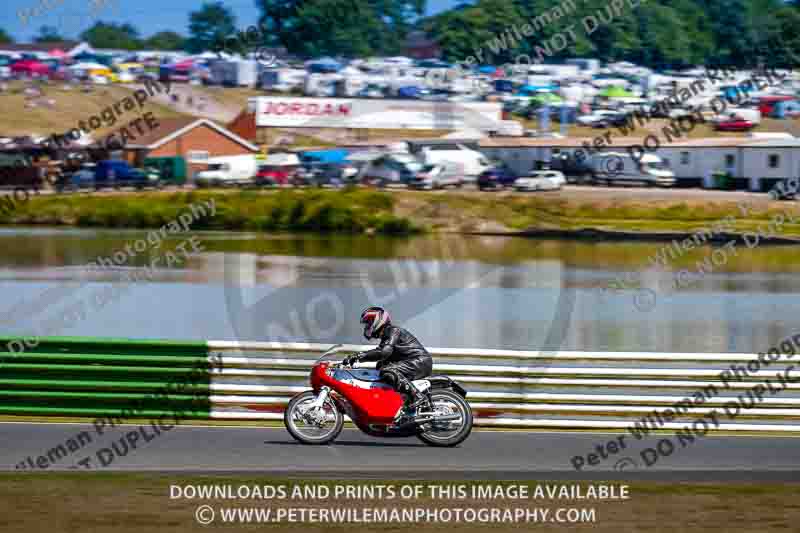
(116, 174)
(497, 177)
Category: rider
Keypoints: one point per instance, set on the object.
(401, 357)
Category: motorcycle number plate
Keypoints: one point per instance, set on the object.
(422, 384)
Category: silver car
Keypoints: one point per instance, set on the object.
(541, 180)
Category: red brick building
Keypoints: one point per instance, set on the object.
(194, 139)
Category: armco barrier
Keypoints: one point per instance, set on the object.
(512, 389)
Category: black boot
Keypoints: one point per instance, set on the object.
(413, 398)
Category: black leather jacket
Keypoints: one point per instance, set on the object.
(397, 344)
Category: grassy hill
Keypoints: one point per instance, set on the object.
(70, 106)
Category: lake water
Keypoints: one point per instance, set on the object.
(451, 291)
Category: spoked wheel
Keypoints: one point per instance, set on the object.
(311, 425)
(448, 432)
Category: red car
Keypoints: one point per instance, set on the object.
(268, 175)
(767, 103)
(736, 124)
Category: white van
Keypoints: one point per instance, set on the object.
(473, 163)
(438, 176)
(234, 170)
(611, 167)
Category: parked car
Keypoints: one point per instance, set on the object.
(766, 104)
(438, 176)
(784, 190)
(392, 169)
(541, 180)
(739, 113)
(333, 174)
(304, 177)
(269, 175)
(81, 179)
(597, 119)
(734, 124)
(115, 174)
(497, 177)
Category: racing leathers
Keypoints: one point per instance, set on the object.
(401, 359)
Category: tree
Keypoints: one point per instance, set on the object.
(210, 25)
(385, 23)
(112, 35)
(353, 30)
(5, 38)
(165, 40)
(480, 28)
(48, 34)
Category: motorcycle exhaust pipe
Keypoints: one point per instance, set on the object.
(425, 420)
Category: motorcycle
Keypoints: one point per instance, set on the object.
(441, 418)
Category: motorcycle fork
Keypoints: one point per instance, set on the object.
(319, 401)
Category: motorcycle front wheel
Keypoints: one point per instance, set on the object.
(447, 433)
(309, 425)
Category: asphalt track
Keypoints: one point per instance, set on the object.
(485, 455)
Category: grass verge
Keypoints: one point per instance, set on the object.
(572, 213)
(348, 211)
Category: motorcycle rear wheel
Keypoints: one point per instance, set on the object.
(308, 433)
(448, 433)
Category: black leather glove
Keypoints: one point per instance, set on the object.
(350, 360)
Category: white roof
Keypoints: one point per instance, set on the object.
(87, 66)
(282, 159)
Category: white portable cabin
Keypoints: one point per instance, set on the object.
(760, 161)
(556, 71)
(236, 72)
(766, 160)
(282, 79)
(320, 85)
(350, 82)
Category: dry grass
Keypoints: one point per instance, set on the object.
(71, 106)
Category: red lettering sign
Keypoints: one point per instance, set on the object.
(314, 109)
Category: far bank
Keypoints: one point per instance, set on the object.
(578, 213)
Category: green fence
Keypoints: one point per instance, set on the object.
(75, 376)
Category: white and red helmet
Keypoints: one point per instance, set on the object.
(374, 320)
